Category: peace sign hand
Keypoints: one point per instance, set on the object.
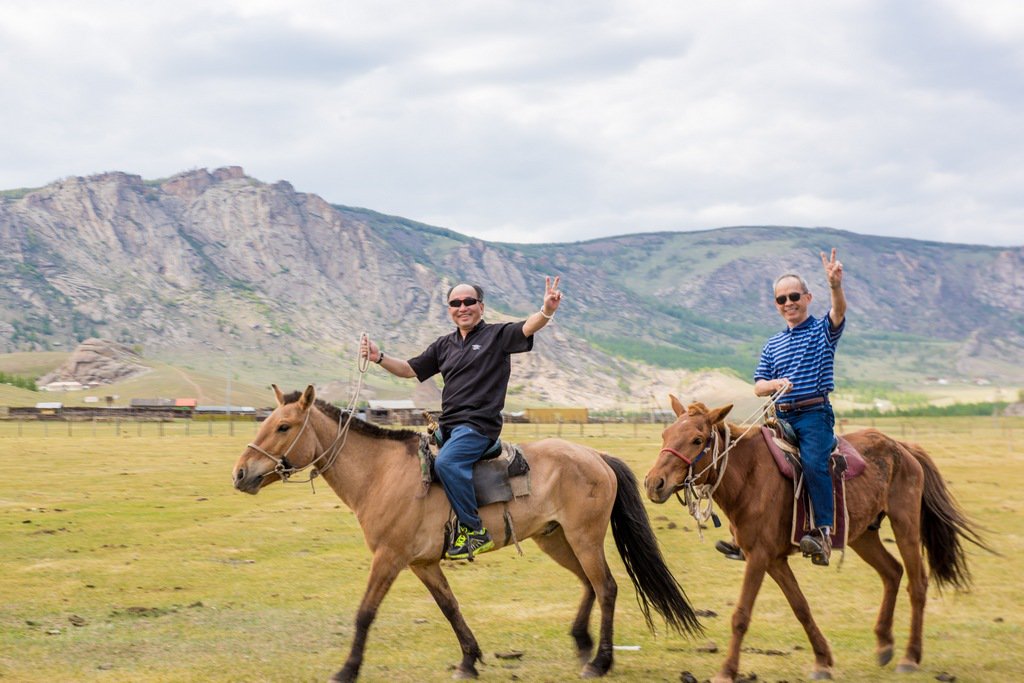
(833, 270)
(552, 296)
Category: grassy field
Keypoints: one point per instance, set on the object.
(127, 556)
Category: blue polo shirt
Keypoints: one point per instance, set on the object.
(475, 371)
(805, 355)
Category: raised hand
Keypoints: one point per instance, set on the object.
(552, 296)
(833, 269)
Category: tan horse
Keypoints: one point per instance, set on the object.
(575, 493)
(900, 481)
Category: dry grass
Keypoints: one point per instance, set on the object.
(130, 558)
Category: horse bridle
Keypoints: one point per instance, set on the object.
(282, 467)
(693, 492)
(689, 463)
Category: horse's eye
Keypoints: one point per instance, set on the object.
(283, 428)
(697, 441)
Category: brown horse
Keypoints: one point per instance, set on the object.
(900, 481)
(575, 492)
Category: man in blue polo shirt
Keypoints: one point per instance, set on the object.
(475, 364)
(799, 362)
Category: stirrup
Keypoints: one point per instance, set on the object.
(470, 543)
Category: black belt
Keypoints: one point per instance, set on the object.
(804, 403)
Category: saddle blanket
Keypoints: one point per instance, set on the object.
(495, 480)
(845, 463)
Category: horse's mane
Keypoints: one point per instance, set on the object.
(362, 426)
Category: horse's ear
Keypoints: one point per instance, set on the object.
(278, 394)
(307, 398)
(718, 414)
(677, 407)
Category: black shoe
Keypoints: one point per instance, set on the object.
(816, 546)
(470, 543)
(730, 550)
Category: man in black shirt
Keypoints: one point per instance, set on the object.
(475, 363)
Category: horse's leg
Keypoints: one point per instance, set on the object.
(906, 526)
(383, 571)
(871, 550)
(433, 578)
(753, 575)
(783, 575)
(589, 550)
(555, 545)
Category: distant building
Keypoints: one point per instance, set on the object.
(62, 386)
(556, 415)
(399, 411)
(224, 410)
(151, 403)
(184, 406)
(49, 408)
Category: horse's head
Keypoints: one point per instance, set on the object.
(284, 444)
(685, 445)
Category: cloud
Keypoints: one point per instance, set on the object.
(526, 121)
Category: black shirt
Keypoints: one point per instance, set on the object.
(475, 371)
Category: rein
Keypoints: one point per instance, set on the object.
(285, 470)
(697, 498)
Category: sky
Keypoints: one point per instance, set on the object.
(543, 121)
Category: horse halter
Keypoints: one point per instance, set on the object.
(689, 463)
(696, 493)
(282, 467)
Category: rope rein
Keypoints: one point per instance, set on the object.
(285, 471)
(697, 498)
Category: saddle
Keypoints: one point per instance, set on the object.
(845, 463)
(500, 475)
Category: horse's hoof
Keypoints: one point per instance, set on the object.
(907, 667)
(821, 675)
(463, 675)
(590, 672)
(884, 656)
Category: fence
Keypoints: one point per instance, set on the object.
(1005, 428)
(128, 426)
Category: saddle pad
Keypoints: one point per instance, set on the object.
(854, 461)
(502, 478)
(495, 480)
(803, 521)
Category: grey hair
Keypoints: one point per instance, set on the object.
(477, 288)
(803, 282)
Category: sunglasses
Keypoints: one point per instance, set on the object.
(468, 301)
(792, 296)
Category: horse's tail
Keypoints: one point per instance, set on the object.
(943, 527)
(654, 583)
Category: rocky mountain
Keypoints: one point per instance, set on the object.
(218, 270)
(98, 362)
